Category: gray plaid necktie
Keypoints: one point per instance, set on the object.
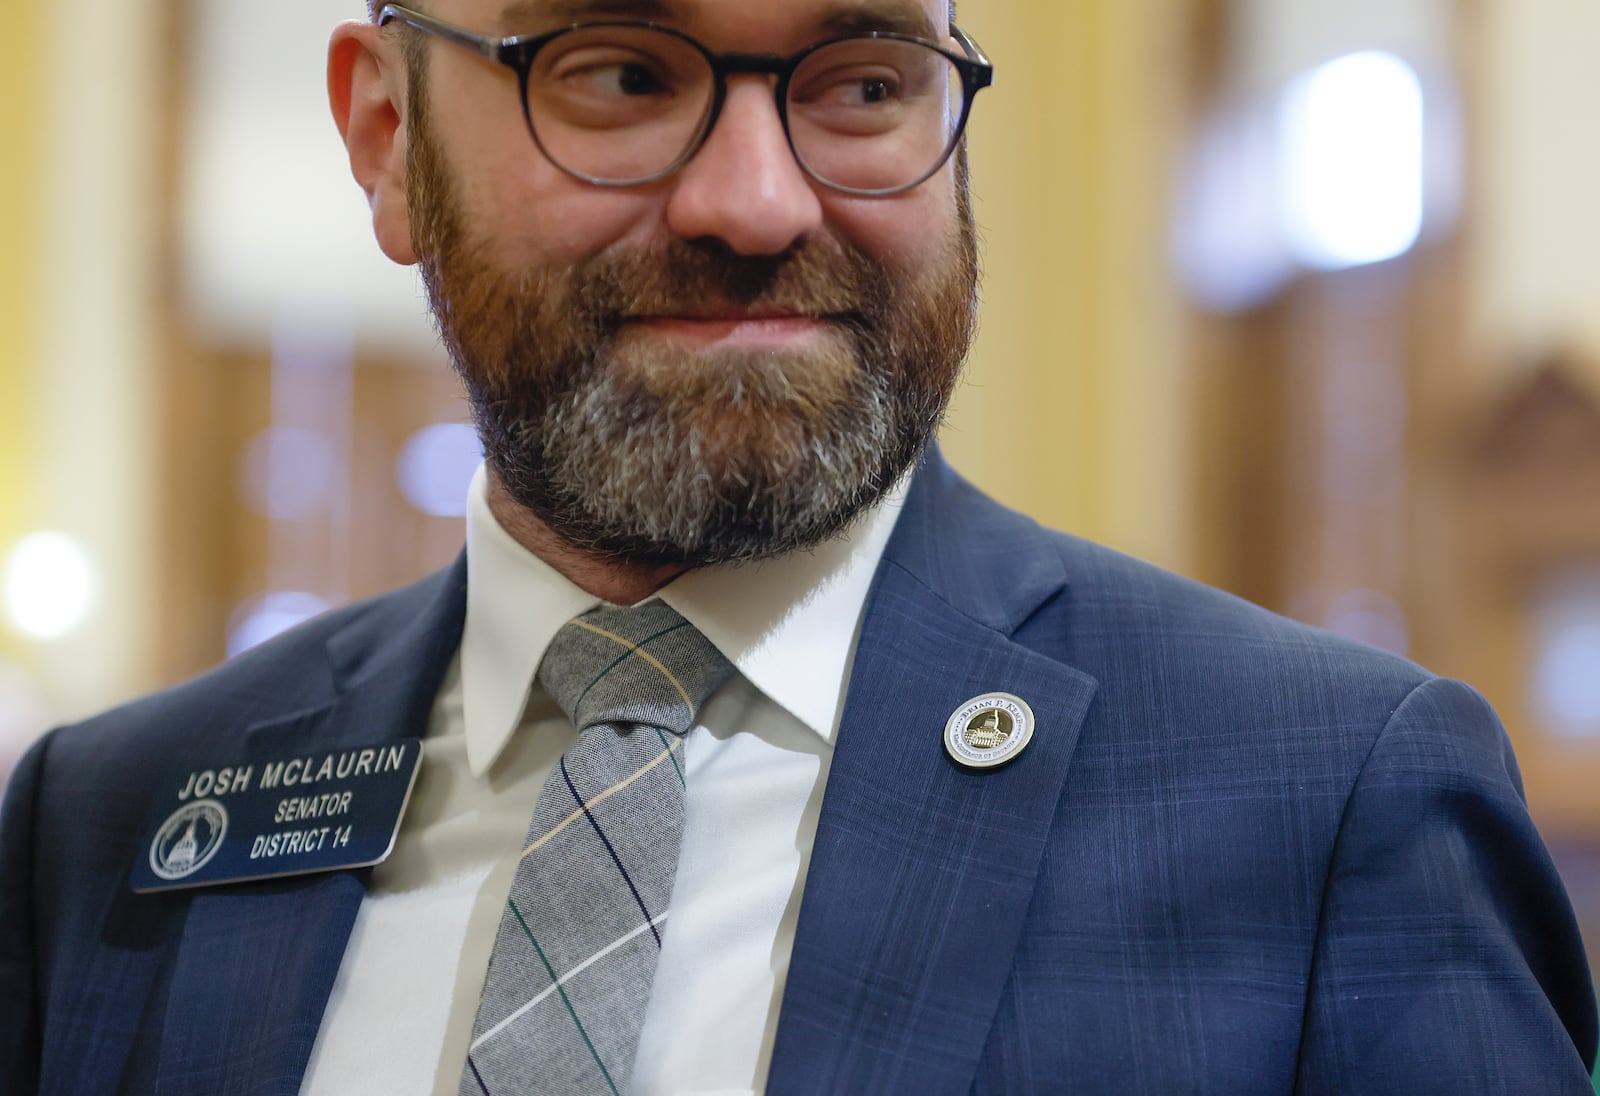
(581, 932)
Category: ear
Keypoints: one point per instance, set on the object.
(367, 89)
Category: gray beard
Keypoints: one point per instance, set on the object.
(647, 453)
(622, 478)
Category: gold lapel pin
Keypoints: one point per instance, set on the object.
(988, 730)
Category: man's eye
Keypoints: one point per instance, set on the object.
(629, 80)
(847, 89)
(614, 77)
(621, 80)
(875, 91)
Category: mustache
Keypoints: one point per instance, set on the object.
(696, 277)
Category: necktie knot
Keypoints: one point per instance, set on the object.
(642, 664)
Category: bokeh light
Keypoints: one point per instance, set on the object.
(1352, 161)
(260, 618)
(435, 466)
(49, 585)
(287, 473)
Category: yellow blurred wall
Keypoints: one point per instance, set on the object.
(88, 465)
(1534, 173)
(19, 250)
(1074, 408)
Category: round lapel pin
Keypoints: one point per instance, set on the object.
(988, 730)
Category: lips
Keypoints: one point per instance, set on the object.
(742, 327)
(728, 315)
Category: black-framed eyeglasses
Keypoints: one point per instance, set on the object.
(628, 103)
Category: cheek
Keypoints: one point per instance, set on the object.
(907, 231)
(538, 215)
(573, 221)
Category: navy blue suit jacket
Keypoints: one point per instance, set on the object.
(1239, 856)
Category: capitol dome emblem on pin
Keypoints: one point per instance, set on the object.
(188, 839)
(988, 730)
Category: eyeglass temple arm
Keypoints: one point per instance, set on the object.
(477, 43)
(974, 52)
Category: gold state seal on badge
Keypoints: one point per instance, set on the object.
(988, 730)
(189, 837)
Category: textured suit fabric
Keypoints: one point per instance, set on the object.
(1239, 856)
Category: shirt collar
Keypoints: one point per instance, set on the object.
(788, 624)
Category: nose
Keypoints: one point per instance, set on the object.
(744, 187)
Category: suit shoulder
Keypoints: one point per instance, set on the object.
(1207, 691)
(1114, 616)
(1115, 606)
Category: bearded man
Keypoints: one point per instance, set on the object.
(842, 778)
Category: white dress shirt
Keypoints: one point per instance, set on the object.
(399, 1020)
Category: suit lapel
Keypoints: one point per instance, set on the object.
(257, 961)
(922, 871)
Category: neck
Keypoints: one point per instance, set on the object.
(618, 582)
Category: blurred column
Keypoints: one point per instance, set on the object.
(20, 718)
(1074, 407)
(1536, 246)
(19, 258)
(90, 459)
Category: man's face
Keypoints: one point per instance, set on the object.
(725, 365)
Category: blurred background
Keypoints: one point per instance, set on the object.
(1300, 299)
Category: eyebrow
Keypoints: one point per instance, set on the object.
(885, 15)
(893, 16)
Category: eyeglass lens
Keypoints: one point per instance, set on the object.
(622, 104)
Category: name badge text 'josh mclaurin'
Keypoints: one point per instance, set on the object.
(306, 806)
(372, 760)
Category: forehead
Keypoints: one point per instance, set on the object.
(776, 21)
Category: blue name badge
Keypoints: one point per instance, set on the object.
(285, 816)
